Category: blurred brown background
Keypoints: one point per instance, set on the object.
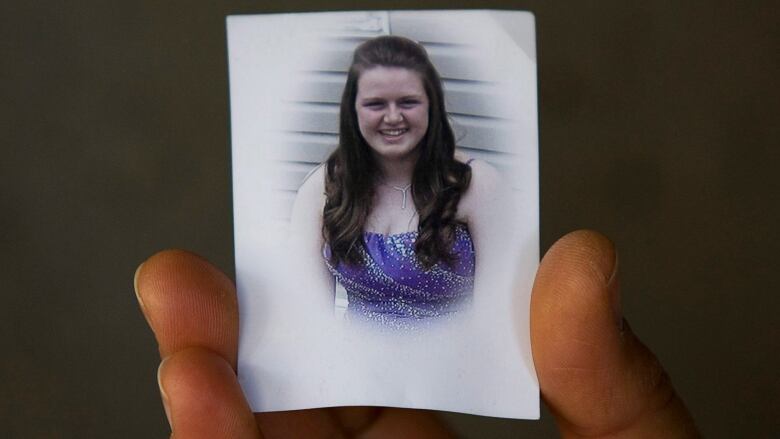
(659, 127)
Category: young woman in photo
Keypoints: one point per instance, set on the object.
(395, 214)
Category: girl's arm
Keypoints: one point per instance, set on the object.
(306, 241)
(487, 207)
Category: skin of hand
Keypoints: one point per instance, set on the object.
(597, 378)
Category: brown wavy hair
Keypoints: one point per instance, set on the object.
(438, 180)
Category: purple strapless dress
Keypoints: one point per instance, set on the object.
(393, 289)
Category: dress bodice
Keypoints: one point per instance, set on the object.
(393, 288)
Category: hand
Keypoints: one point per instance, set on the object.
(595, 375)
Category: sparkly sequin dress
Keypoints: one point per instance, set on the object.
(393, 289)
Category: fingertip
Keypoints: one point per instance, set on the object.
(163, 394)
(595, 375)
(138, 297)
(166, 264)
(583, 248)
(150, 270)
(135, 277)
(598, 261)
(203, 396)
(188, 302)
(575, 288)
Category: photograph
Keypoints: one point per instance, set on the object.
(385, 168)
(305, 220)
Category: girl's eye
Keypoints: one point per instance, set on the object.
(409, 103)
(373, 104)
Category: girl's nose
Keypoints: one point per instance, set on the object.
(393, 115)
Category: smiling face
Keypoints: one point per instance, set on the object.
(392, 111)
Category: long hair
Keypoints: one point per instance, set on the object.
(438, 180)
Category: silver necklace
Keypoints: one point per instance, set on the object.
(403, 191)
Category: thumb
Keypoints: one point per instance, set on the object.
(598, 379)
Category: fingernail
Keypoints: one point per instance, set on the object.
(135, 285)
(163, 395)
(613, 289)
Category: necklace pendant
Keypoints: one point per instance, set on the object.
(403, 191)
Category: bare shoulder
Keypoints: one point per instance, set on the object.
(484, 176)
(486, 183)
(485, 180)
(314, 183)
(310, 199)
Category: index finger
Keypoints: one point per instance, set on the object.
(188, 303)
